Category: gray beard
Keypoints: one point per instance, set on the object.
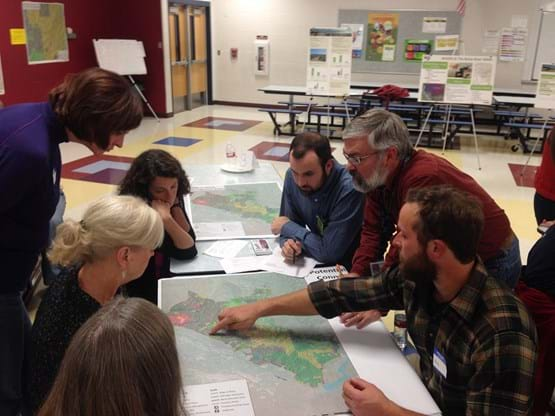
(366, 185)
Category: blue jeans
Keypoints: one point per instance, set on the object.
(506, 266)
(15, 331)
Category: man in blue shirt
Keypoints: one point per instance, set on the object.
(321, 212)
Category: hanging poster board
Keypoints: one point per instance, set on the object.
(122, 56)
(391, 36)
(329, 61)
(457, 79)
(545, 95)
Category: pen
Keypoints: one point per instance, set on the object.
(294, 251)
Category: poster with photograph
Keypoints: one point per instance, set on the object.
(382, 36)
(457, 79)
(415, 49)
(329, 61)
(358, 34)
(434, 25)
(545, 94)
(446, 43)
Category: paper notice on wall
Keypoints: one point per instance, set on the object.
(358, 34)
(382, 36)
(329, 61)
(512, 44)
(519, 21)
(2, 91)
(490, 44)
(457, 79)
(545, 94)
(446, 43)
(434, 25)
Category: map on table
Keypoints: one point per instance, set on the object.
(45, 31)
(293, 365)
(244, 210)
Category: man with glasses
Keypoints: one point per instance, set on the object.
(385, 166)
(318, 193)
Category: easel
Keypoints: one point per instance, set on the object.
(124, 57)
(540, 136)
(448, 120)
(143, 97)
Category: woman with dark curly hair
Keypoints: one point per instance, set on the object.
(158, 178)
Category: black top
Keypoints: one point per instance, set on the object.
(540, 270)
(64, 308)
(146, 286)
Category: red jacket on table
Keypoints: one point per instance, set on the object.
(382, 206)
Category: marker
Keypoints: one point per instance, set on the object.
(294, 251)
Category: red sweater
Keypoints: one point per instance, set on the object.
(544, 182)
(422, 169)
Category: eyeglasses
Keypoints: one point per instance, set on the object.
(357, 160)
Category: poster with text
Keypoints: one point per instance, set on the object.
(382, 36)
(358, 33)
(329, 61)
(512, 44)
(457, 79)
(545, 94)
(415, 49)
(446, 43)
(434, 25)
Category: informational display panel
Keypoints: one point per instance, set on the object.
(45, 31)
(545, 95)
(329, 61)
(457, 79)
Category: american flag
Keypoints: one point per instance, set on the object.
(461, 6)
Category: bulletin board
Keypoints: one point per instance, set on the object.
(409, 27)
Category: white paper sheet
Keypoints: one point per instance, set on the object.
(324, 273)
(230, 398)
(277, 263)
(226, 248)
(242, 264)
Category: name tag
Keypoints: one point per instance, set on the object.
(440, 365)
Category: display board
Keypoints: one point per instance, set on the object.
(385, 33)
(122, 56)
(545, 95)
(545, 49)
(329, 61)
(457, 79)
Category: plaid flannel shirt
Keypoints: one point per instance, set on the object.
(485, 334)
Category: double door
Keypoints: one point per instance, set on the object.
(188, 56)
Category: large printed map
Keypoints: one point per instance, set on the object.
(45, 30)
(293, 365)
(231, 211)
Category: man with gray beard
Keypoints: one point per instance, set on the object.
(385, 166)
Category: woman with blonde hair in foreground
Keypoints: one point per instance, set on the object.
(122, 362)
(108, 248)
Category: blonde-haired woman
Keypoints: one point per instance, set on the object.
(110, 247)
(122, 361)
